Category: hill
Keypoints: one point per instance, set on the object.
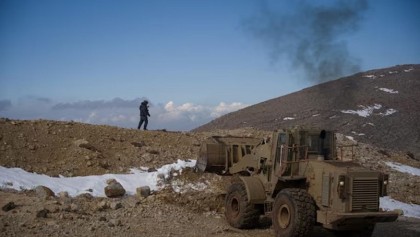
(72, 149)
(379, 107)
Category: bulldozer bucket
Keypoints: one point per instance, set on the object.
(217, 154)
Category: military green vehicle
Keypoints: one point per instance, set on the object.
(296, 177)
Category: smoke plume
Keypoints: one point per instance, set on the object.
(310, 37)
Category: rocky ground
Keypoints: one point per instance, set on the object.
(74, 149)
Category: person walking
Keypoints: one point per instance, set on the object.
(144, 113)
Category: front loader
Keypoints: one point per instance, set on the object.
(296, 177)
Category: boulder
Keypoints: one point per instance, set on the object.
(143, 191)
(43, 213)
(9, 206)
(44, 192)
(114, 189)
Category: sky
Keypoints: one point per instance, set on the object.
(95, 61)
(19, 179)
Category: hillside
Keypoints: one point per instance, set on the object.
(379, 107)
(74, 149)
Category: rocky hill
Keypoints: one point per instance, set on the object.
(379, 107)
(74, 149)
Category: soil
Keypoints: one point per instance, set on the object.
(74, 149)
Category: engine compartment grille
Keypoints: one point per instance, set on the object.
(365, 194)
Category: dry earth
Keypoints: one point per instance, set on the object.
(75, 149)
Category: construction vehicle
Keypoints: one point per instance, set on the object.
(296, 177)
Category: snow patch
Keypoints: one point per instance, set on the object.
(370, 76)
(391, 91)
(371, 124)
(409, 70)
(350, 138)
(366, 111)
(19, 179)
(388, 112)
(358, 134)
(389, 204)
(288, 118)
(403, 168)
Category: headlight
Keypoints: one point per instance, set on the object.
(342, 186)
(383, 184)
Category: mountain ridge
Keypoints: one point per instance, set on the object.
(379, 106)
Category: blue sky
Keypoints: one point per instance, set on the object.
(95, 61)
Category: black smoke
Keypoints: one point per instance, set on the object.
(310, 37)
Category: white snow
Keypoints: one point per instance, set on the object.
(19, 179)
(403, 168)
(370, 124)
(391, 91)
(358, 134)
(350, 138)
(409, 70)
(388, 112)
(389, 204)
(370, 76)
(288, 118)
(366, 111)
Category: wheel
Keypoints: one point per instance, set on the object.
(293, 213)
(238, 212)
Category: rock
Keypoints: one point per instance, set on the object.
(143, 191)
(52, 208)
(42, 213)
(9, 206)
(80, 142)
(44, 192)
(114, 189)
(115, 205)
(103, 205)
(74, 207)
(114, 222)
(149, 170)
(87, 196)
(63, 194)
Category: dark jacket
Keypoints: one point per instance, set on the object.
(144, 110)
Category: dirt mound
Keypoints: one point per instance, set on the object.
(75, 149)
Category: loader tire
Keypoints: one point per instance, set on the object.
(238, 212)
(293, 213)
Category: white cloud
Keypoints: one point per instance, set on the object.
(122, 113)
(224, 108)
